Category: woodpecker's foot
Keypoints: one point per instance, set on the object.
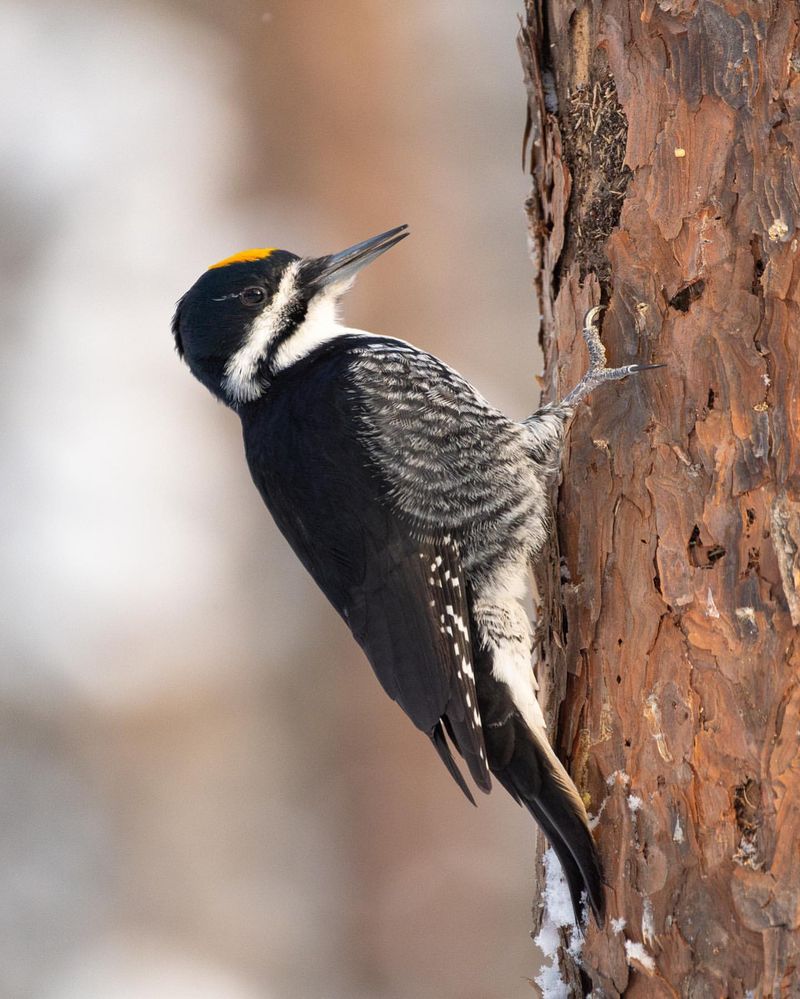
(598, 372)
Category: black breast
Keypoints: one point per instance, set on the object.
(306, 459)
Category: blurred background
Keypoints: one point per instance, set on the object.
(204, 792)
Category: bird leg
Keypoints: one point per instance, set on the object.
(598, 372)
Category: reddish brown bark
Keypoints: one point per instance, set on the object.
(666, 183)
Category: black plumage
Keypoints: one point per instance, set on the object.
(308, 460)
(310, 447)
(415, 506)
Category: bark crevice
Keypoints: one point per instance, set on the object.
(665, 166)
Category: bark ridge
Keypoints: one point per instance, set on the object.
(664, 147)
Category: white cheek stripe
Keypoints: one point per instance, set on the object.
(240, 372)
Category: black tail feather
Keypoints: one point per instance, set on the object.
(546, 790)
(475, 763)
(439, 741)
(527, 767)
(576, 883)
(574, 846)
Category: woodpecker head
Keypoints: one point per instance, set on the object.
(254, 314)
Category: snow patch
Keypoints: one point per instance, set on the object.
(634, 803)
(557, 901)
(594, 820)
(677, 833)
(551, 983)
(635, 952)
(558, 913)
(618, 925)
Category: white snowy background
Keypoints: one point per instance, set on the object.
(204, 792)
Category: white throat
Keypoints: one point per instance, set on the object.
(320, 325)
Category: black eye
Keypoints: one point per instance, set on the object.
(252, 296)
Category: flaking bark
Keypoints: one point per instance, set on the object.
(664, 148)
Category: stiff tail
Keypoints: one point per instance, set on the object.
(525, 764)
(558, 809)
(440, 743)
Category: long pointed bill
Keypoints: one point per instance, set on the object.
(339, 268)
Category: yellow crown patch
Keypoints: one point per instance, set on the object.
(259, 253)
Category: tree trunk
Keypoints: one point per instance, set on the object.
(665, 156)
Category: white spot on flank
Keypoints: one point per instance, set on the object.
(469, 700)
(438, 561)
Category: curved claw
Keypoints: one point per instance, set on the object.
(598, 372)
(591, 317)
(645, 367)
(591, 334)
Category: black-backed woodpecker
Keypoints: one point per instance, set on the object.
(415, 505)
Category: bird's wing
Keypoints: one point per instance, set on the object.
(450, 459)
(410, 616)
(403, 594)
